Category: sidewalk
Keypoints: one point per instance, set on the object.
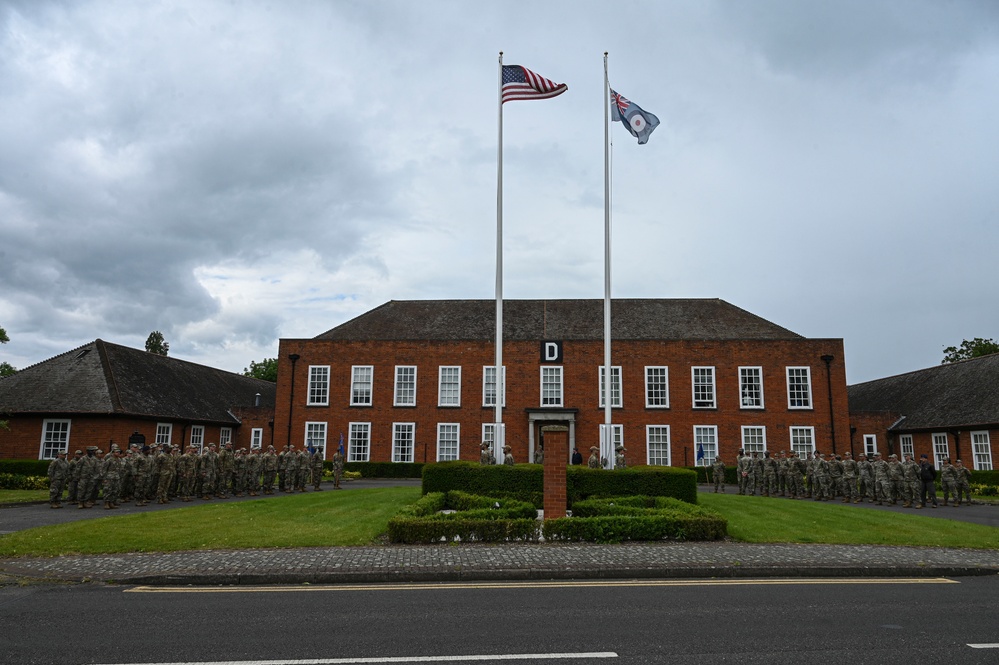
(502, 562)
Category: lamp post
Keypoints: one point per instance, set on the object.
(827, 359)
(291, 399)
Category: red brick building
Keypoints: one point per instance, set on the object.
(950, 410)
(415, 381)
(102, 393)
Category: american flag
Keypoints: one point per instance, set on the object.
(521, 83)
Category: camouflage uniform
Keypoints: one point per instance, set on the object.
(619, 461)
(718, 474)
(304, 466)
(73, 476)
(811, 487)
(507, 456)
(594, 461)
(770, 484)
(910, 482)
(141, 465)
(187, 467)
(269, 465)
(58, 472)
(238, 472)
(782, 473)
(318, 457)
(283, 469)
(794, 474)
(128, 475)
(835, 475)
(897, 475)
(226, 471)
(740, 471)
(98, 476)
(865, 473)
(948, 481)
(209, 473)
(337, 469)
(821, 480)
(963, 482)
(88, 476)
(849, 487)
(112, 478)
(253, 464)
(166, 468)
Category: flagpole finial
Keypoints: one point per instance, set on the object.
(605, 54)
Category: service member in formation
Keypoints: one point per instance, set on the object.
(865, 478)
(770, 486)
(849, 487)
(227, 469)
(318, 457)
(927, 487)
(254, 463)
(304, 465)
(910, 474)
(269, 465)
(619, 462)
(209, 473)
(740, 470)
(187, 469)
(485, 455)
(507, 456)
(337, 468)
(896, 474)
(882, 480)
(58, 471)
(963, 483)
(718, 474)
(88, 476)
(948, 481)
(795, 473)
(73, 476)
(594, 461)
(112, 478)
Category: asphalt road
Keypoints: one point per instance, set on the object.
(677, 622)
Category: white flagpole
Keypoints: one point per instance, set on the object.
(608, 447)
(498, 433)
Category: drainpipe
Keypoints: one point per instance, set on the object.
(827, 359)
(291, 399)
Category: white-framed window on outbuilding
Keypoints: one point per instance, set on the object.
(319, 385)
(615, 386)
(449, 386)
(256, 438)
(360, 386)
(703, 384)
(802, 441)
(405, 385)
(905, 442)
(871, 445)
(941, 448)
(982, 449)
(751, 387)
(447, 441)
(359, 444)
(799, 388)
(225, 435)
(164, 434)
(657, 445)
(705, 444)
(403, 441)
(551, 385)
(315, 436)
(55, 438)
(657, 387)
(754, 439)
(198, 437)
(489, 386)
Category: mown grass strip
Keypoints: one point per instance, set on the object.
(764, 520)
(355, 517)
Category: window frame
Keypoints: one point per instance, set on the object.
(653, 385)
(440, 442)
(313, 428)
(695, 384)
(358, 381)
(225, 435)
(905, 445)
(791, 430)
(807, 384)
(617, 391)
(48, 448)
(256, 438)
(166, 429)
(319, 386)
(935, 440)
(447, 396)
(486, 395)
(651, 459)
(359, 441)
(753, 446)
(743, 370)
(402, 383)
(197, 436)
(986, 443)
(872, 449)
(397, 457)
(560, 396)
(707, 460)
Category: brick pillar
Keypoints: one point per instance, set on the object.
(556, 453)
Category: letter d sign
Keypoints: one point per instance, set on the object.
(551, 352)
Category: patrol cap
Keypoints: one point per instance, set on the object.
(893, 456)
(594, 448)
(79, 452)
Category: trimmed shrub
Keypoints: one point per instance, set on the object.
(614, 520)
(984, 478)
(16, 481)
(25, 467)
(382, 469)
(526, 481)
(478, 519)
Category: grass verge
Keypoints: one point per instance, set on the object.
(754, 519)
(357, 517)
(23, 496)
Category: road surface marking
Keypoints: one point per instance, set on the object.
(540, 585)
(984, 646)
(399, 659)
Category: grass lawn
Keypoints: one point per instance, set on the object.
(754, 519)
(355, 517)
(23, 496)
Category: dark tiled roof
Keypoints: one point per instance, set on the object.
(105, 378)
(527, 320)
(958, 394)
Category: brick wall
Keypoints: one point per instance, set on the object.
(581, 361)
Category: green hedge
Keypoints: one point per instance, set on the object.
(382, 469)
(16, 481)
(617, 519)
(525, 482)
(477, 519)
(25, 467)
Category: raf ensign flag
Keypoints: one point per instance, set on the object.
(640, 123)
(521, 83)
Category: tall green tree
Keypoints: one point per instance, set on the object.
(6, 369)
(974, 348)
(266, 369)
(156, 344)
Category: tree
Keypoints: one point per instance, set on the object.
(975, 348)
(3, 336)
(156, 344)
(266, 369)
(6, 369)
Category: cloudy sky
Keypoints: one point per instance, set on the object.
(232, 173)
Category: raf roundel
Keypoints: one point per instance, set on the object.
(637, 122)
